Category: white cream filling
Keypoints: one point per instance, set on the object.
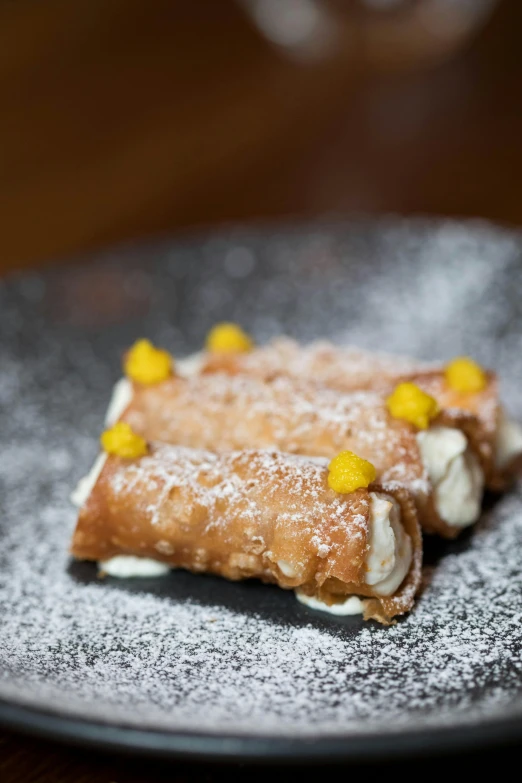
(120, 399)
(86, 484)
(389, 557)
(287, 569)
(455, 474)
(190, 365)
(351, 605)
(509, 441)
(126, 566)
(387, 562)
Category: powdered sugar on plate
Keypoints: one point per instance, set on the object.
(194, 653)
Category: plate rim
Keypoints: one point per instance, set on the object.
(194, 747)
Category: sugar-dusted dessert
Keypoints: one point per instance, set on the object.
(268, 515)
(400, 436)
(459, 387)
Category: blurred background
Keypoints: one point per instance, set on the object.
(123, 119)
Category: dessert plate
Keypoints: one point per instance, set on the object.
(199, 667)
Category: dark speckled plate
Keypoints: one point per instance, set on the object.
(194, 666)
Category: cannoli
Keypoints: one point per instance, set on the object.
(255, 514)
(223, 412)
(460, 387)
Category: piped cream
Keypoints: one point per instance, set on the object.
(455, 474)
(388, 560)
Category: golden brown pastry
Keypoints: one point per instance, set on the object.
(497, 440)
(257, 514)
(222, 412)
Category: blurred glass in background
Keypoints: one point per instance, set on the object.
(124, 119)
(382, 32)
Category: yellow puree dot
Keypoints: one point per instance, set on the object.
(410, 403)
(146, 364)
(348, 472)
(465, 375)
(228, 338)
(123, 442)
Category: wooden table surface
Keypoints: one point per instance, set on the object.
(35, 761)
(121, 119)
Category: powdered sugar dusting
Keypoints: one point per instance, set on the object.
(210, 479)
(238, 412)
(193, 653)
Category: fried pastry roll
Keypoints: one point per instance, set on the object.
(223, 412)
(496, 438)
(257, 514)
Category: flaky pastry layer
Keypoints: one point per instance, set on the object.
(241, 515)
